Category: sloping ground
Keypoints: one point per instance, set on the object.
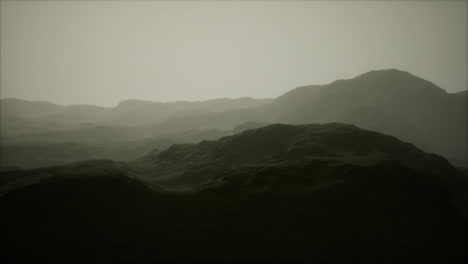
(387, 101)
(29, 155)
(188, 166)
(69, 147)
(312, 193)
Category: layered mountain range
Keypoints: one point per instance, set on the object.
(388, 101)
(366, 170)
(326, 193)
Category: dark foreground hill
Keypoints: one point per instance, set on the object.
(329, 193)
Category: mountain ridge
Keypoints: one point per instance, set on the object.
(267, 194)
(388, 101)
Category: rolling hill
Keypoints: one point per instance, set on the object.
(307, 193)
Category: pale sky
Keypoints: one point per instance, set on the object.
(102, 52)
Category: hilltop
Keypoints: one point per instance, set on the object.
(324, 193)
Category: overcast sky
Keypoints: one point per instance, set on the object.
(102, 52)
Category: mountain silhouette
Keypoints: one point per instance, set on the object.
(126, 113)
(302, 193)
(391, 101)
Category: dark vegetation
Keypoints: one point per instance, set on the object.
(311, 193)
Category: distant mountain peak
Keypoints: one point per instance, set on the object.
(385, 72)
(399, 79)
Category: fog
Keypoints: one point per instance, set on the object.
(102, 52)
(262, 131)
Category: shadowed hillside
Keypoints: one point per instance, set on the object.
(99, 143)
(309, 193)
(388, 101)
(31, 155)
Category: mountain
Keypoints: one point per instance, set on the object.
(126, 113)
(27, 109)
(98, 142)
(135, 112)
(391, 101)
(388, 101)
(131, 120)
(29, 155)
(281, 145)
(324, 193)
(52, 113)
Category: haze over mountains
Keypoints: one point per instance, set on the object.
(241, 180)
(389, 101)
(234, 132)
